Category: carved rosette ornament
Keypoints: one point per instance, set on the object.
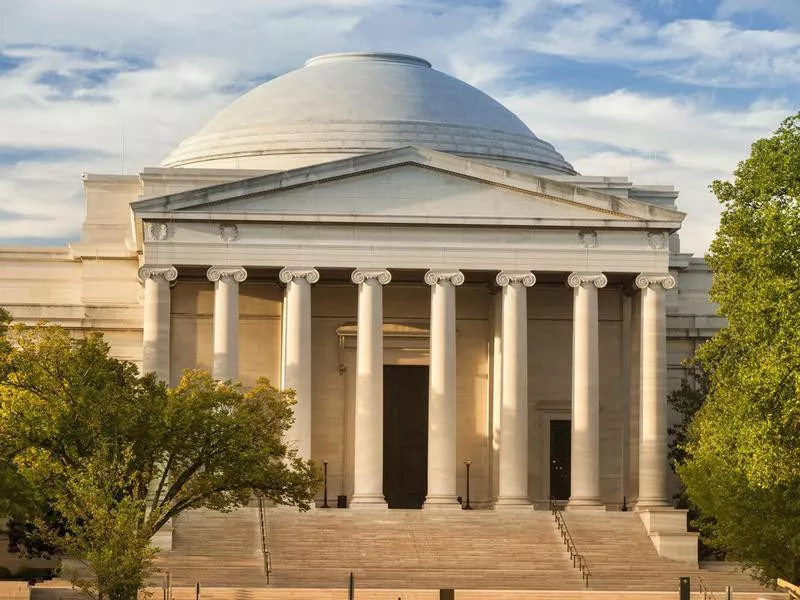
(577, 279)
(228, 232)
(288, 274)
(505, 278)
(645, 280)
(657, 240)
(587, 239)
(157, 232)
(382, 276)
(238, 274)
(167, 272)
(454, 277)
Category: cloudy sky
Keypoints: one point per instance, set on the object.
(664, 91)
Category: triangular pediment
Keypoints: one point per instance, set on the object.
(409, 185)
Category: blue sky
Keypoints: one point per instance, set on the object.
(663, 91)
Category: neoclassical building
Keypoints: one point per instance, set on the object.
(437, 284)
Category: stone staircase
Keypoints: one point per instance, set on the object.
(423, 549)
(220, 549)
(621, 557)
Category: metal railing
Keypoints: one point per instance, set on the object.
(578, 560)
(262, 521)
(789, 588)
(705, 590)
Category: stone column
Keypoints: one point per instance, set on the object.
(513, 476)
(226, 320)
(296, 355)
(585, 458)
(442, 390)
(653, 395)
(155, 334)
(368, 431)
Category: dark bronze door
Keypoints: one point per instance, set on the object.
(405, 435)
(560, 437)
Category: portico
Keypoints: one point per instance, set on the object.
(473, 248)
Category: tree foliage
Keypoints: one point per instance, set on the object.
(743, 448)
(100, 458)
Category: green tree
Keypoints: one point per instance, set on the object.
(742, 467)
(100, 458)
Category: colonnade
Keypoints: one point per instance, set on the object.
(442, 461)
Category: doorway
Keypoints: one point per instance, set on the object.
(560, 454)
(405, 435)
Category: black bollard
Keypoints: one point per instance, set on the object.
(197, 591)
(467, 463)
(351, 588)
(325, 485)
(685, 589)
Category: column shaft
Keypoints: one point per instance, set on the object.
(296, 359)
(585, 451)
(226, 320)
(368, 430)
(653, 397)
(156, 326)
(442, 422)
(513, 476)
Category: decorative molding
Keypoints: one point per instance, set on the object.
(168, 272)
(157, 232)
(587, 238)
(505, 278)
(577, 279)
(228, 232)
(310, 274)
(433, 277)
(238, 274)
(382, 276)
(657, 240)
(645, 280)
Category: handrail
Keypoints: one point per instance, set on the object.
(578, 560)
(705, 590)
(791, 589)
(262, 521)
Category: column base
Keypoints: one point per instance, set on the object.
(648, 503)
(441, 503)
(368, 503)
(585, 504)
(512, 502)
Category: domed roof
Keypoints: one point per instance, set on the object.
(341, 105)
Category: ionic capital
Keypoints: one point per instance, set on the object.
(645, 280)
(166, 272)
(310, 274)
(238, 274)
(382, 276)
(434, 276)
(505, 278)
(599, 280)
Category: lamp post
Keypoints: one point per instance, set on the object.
(467, 464)
(325, 484)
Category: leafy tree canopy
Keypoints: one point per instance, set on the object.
(99, 457)
(742, 464)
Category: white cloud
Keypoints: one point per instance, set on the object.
(173, 65)
(655, 140)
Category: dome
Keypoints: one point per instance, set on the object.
(342, 105)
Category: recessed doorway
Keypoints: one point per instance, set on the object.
(405, 435)
(560, 455)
